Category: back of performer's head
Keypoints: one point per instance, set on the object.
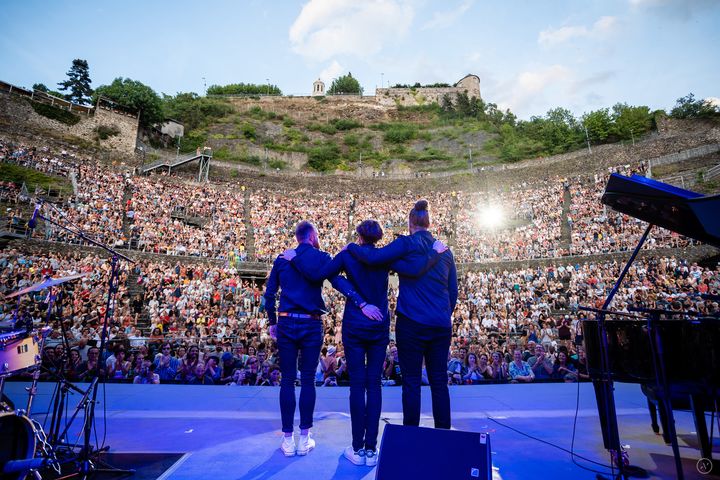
(369, 231)
(419, 218)
(305, 232)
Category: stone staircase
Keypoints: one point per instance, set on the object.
(134, 289)
(565, 233)
(127, 222)
(249, 230)
(350, 218)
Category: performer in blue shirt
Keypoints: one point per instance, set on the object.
(424, 315)
(300, 331)
(365, 340)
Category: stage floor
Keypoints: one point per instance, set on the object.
(234, 432)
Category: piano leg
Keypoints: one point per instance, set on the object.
(653, 417)
(603, 412)
(664, 422)
(698, 409)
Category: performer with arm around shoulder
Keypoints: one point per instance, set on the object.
(423, 329)
(298, 328)
(365, 339)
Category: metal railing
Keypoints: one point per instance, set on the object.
(685, 180)
(42, 97)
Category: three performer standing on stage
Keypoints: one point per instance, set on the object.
(427, 298)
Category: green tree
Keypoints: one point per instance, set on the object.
(244, 89)
(136, 95)
(78, 82)
(41, 87)
(195, 111)
(631, 122)
(599, 124)
(688, 107)
(345, 85)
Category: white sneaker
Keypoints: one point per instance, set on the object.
(357, 458)
(305, 444)
(288, 446)
(371, 458)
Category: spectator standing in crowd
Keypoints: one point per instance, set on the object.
(425, 305)
(365, 339)
(300, 331)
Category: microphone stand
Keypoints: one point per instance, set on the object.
(88, 456)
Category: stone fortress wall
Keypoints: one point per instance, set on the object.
(17, 113)
(408, 97)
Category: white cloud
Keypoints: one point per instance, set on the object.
(682, 10)
(326, 28)
(331, 72)
(554, 36)
(714, 101)
(447, 18)
(529, 88)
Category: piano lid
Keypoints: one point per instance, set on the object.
(682, 211)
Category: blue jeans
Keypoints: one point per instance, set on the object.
(303, 336)
(415, 342)
(365, 354)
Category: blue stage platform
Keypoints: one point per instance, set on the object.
(234, 432)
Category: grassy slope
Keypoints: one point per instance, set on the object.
(343, 137)
(32, 178)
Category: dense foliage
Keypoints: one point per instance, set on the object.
(137, 96)
(40, 87)
(244, 89)
(55, 113)
(345, 85)
(418, 85)
(689, 107)
(194, 111)
(558, 131)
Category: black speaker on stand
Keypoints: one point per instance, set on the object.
(428, 453)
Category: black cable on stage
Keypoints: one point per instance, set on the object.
(572, 453)
(552, 445)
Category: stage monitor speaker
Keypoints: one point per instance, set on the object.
(417, 453)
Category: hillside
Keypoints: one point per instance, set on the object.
(328, 133)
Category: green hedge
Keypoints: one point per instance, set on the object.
(55, 113)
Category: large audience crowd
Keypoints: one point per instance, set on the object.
(169, 215)
(191, 322)
(207, 324)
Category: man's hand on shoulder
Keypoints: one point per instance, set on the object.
(440, 247)
(288, 254)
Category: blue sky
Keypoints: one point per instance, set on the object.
(531, 55)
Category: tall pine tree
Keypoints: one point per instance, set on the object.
(78, 82)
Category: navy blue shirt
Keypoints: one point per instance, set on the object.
(429, 299)
(298, 294)
(370, 282)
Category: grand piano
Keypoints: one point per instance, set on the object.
(674, 356)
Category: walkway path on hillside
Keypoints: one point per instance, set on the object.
(126, 222)
(565, 233)
(249, 231)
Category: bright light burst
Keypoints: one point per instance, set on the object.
(491, 216)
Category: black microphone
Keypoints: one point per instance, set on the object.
(33, 220)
